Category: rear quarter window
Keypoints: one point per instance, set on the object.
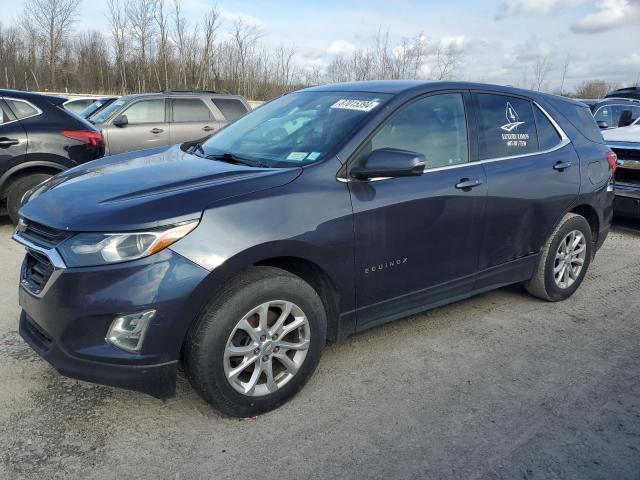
(581, 118)
(231, 108)
(22, 109)
(548, 136)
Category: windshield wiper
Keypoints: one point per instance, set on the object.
(235, 159)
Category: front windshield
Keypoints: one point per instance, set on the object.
(298, 128)
(92, 108)
(103, 115)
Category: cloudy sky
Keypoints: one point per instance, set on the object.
(500, 39)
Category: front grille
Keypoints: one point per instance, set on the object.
(43, 235)
(627, 153)
(37, 270)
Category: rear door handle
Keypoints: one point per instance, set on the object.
(207, 128)
(157, 130)
(466, 184)
(561, 166)
(7, 142)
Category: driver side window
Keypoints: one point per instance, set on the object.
(434, 126)
(146, 111)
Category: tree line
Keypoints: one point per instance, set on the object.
(152, 46)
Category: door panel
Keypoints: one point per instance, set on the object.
(417, 239)
(147, 128)
(191, 120)
(13, 140)
(527, 192)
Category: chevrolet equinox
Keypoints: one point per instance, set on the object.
(323, 213)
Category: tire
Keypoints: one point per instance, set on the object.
(544, 283)
(16, 190)
(217, 330)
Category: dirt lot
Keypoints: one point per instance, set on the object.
(499, 386)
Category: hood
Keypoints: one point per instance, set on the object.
(623, 134)
(144, 189)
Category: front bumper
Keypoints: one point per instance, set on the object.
(156, 380)
(66, 320)
(627, 201)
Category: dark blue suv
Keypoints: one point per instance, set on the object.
(322, 213)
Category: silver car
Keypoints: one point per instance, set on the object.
(136, 122)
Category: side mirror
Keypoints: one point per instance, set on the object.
(121, 121)
(602, 124)
(390, 162)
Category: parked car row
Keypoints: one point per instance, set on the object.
(325, 212)
(41, 135)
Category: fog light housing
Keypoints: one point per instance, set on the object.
(127, 331)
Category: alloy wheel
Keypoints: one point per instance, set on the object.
(569, 260)
(266, 348)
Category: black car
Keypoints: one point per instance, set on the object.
(615, 112)
(324, 212)
(628, 92)
(38, 139)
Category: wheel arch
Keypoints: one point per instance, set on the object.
(591, 215)
(319, 280)
(25, 169)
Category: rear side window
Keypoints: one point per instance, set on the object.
(579, 116)
(190, 110)
(548, 136)
(232, 109)
(506, 126)
(146, 111)
(435, 126)
(22, 109)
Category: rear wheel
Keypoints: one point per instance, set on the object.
(564, 260)
(16, 190)
(257, 343)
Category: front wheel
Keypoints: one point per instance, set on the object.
(564, 260)
(16, 190)
(257, 343)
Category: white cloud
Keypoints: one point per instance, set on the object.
(233, 16)
(610, 14)
(457, 42)
(340, 47)
(510, 8)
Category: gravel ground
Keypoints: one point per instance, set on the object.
(498, 386)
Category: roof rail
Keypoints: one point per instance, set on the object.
(191, 91)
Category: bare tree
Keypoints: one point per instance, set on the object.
(447, 60)
(245, 37)
(594, 89)
(119, 22)
(210, 26)
(162, 23)
(563, 75)
(540, 72)
(141, 16)
(50, 21)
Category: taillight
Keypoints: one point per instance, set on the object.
(612, 159)
(89, 138)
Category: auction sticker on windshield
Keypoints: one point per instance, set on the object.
(352, 104)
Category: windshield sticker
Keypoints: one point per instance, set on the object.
(297, 156)
(360, 105)
(314, 155)
(513, 139)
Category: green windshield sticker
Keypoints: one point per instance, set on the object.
(314, 155)
(297, 156)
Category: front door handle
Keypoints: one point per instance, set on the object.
(466, 184)
(8, 142)
(560, 166)
(157, 130)
(207, 128)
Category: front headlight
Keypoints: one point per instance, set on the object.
(89, 249)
